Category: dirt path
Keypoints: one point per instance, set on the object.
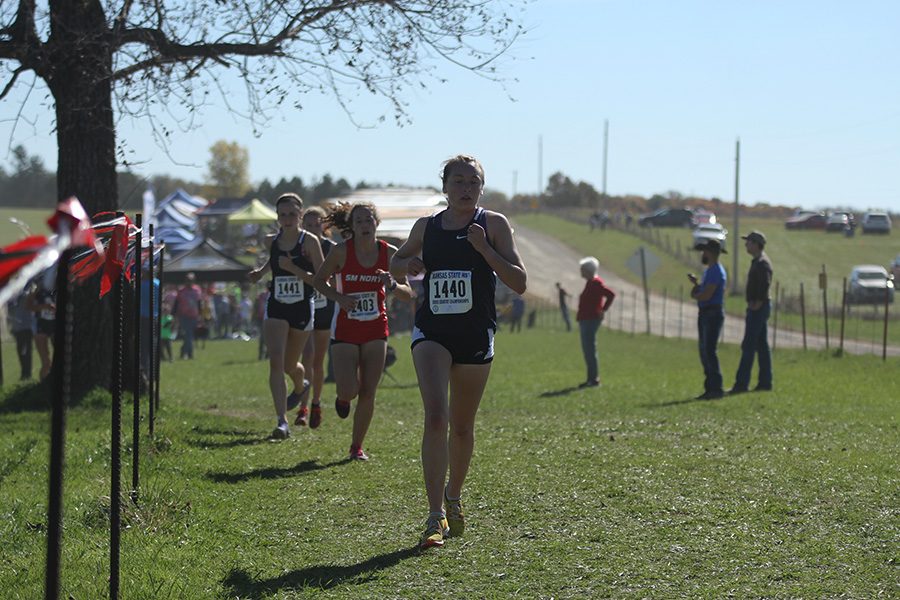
(549, 260)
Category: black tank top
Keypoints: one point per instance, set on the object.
(284, 289)
(459, 283)
(321, 301)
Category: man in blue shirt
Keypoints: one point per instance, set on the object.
(710, 296)
(148, 328)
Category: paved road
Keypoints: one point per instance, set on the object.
(549, 260)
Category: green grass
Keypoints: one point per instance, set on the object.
(35, 219)
(632, 490)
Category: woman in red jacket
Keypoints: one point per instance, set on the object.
(593, 303)
(359, 334)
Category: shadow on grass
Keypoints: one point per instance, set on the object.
(559, 392)
(678, 402)
(214, 431)
(307, 466)
(241, 584)
(247, 361)
(213, 445)
(26, 397)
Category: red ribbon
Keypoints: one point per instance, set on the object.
(23, 253)
(115, 256)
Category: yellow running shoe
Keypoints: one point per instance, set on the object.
(455, 518)
(436, 529)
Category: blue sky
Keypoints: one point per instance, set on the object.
(811, 88)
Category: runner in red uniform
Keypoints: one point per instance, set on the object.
(359, 335)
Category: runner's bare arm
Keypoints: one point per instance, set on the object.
(406, 260)
(501, 253)
(256, 274)
(401, 289)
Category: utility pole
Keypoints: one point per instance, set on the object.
(540, 165)
(605, 152)
(515, 183)
(737, 202)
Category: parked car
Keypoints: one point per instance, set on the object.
(867, 285)
(806, 220)
(668, 217)
(895, 269)
(839, 221)
(710, 231)
(702, 217)
(876, 222)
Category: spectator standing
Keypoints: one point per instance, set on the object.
(147, 329)
(187, 314)
(517, 311)
(42, 302)
(756, 335)
(710, 296)
(563, 305)
(593, 303)
(21, 322)
(166, 335)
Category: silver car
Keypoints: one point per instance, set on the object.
(709, 231)
(868, 283)
(876, 222)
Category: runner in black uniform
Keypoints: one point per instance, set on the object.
(317, 346)
(43, 303)
(295, 256)
(459, 251)
(459, 311)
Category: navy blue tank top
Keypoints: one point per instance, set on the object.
(459, 283)
(286, 287)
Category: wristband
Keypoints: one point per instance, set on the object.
(393, 285)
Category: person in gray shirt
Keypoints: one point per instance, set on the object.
(756, 342)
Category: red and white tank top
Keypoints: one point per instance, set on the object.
(368, 321)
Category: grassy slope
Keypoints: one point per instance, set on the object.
(631, 490)
(797, 256)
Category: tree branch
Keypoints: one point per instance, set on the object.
(12, 81)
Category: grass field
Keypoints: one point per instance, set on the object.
(35, 219)
(631, 490)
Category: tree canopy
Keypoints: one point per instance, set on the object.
(104, 60)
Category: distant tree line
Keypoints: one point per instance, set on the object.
(30, 184)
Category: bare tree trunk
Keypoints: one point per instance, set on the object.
(81, 87)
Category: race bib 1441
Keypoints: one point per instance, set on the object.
(288, 289)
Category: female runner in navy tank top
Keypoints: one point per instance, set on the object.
(459, 251)
(294, 258)
(316, 348)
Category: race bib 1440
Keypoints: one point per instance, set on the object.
(450, 292)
